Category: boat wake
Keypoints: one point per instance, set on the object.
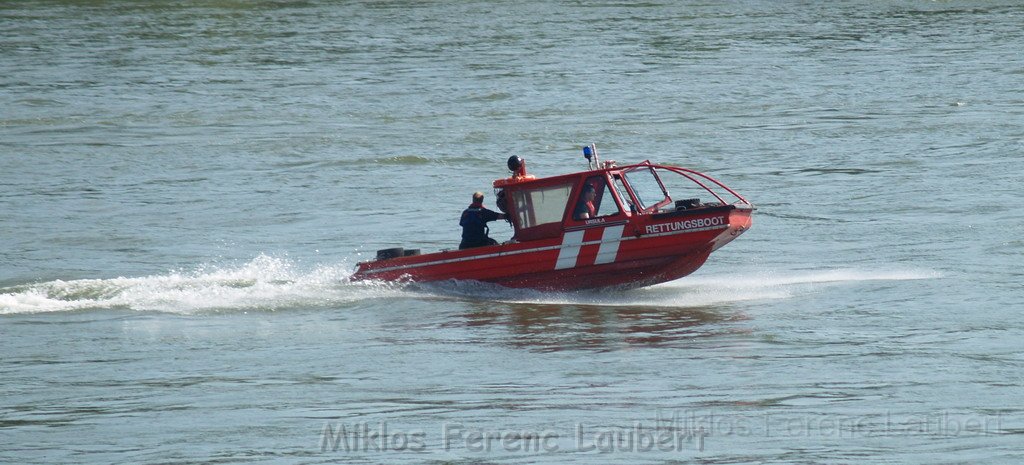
(263, 284)
(270, 284)
(693, 291)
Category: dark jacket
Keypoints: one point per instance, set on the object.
(474, 226)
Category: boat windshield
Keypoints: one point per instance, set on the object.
(620, 188)
(646, 186)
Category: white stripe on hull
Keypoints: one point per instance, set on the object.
(610, 240)
(571, 244)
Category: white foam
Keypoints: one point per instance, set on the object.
(763, 279)
(694, 291)
(265, 283)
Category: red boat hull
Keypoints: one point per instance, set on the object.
(640, 250)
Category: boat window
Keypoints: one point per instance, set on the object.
(646, 186)
(542, 205)
(594, 205)
(620, 187)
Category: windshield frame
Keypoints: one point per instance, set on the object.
(665, 200)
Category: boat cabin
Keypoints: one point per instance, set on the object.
(607, 194)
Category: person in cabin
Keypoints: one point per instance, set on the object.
(474, 223)
(585, 208)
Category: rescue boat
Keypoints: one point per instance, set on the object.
(651, 224)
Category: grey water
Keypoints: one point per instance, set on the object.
(185, 188)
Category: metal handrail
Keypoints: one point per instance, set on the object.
(687, 172)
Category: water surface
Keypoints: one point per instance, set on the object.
(184, 189)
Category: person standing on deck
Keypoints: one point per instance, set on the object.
(474, 223)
